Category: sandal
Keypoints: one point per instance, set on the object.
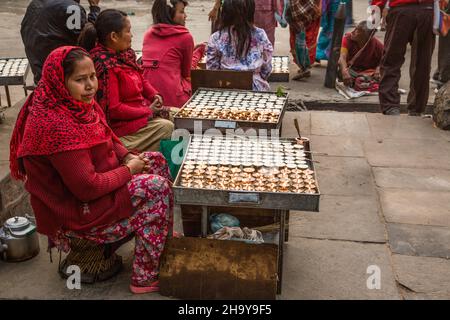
(176, 234)
(153, 287)
(302, 75)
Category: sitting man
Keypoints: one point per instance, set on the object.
(359, 63)
(49, 24)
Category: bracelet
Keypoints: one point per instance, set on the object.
(129, 169)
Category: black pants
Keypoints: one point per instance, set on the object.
(407, 24)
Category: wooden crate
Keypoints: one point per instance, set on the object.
(198, 268)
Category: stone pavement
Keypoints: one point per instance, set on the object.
(385, 185)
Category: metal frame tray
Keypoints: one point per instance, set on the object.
(279, 76)
(223, 124)
(17, 79)
(253, 199)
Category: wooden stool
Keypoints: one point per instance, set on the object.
(97, 262)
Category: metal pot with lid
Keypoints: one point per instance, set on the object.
(18, 239)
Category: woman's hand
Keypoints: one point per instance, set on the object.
(136, 165)
(146, 161)
(347, 77)
(128, 157)
(94, 3)
(159, 100)
(156, 107)
(201, 45)
(376, 74)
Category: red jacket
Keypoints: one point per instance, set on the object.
(397, 3)
(167, 57)
(78, 190)
(130, 97)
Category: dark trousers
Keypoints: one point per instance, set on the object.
(407, 24)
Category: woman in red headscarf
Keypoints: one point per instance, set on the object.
(83, 182)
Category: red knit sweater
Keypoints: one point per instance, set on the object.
(397, 3)
(78, 190)
(129, 99)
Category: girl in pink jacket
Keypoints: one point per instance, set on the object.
(168, 53)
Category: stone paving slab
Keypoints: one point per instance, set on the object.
(341, 146)
(304, 122)
(424, 241)
(421, 296)
(413, 179)
(344, 176)
(416, 207)
(423, 274)
(340, 217)
(404, 127)
(339, 124)
(322, 269)
(408, 153)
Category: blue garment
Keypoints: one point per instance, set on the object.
(301, 51)
(329, 9)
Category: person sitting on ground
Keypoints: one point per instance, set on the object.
(49, 24)
(239, 45)
(359, 63)
(83, 182)
(168, 53)
(132, 106)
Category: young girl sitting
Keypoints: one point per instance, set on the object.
(239, 45)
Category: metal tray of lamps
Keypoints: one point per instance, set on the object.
(13, 71)
(280, 69)
(232, 109)
(248, 172)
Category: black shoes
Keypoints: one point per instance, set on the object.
(414, 114)
(393, 111)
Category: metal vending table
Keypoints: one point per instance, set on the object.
(13, 71)
(224, 109)
(248, 173)
(280, 69)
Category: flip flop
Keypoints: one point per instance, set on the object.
(154, 287)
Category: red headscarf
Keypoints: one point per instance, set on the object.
(52, 121)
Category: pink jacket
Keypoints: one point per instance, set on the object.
(167, 58)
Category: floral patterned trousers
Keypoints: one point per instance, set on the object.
(152, 199)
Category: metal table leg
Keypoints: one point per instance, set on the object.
(286, 226)
(282, 215)
(204, 221)
(8, 97)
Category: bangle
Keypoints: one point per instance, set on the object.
(129, 169)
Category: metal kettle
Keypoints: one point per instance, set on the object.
(19, 240)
